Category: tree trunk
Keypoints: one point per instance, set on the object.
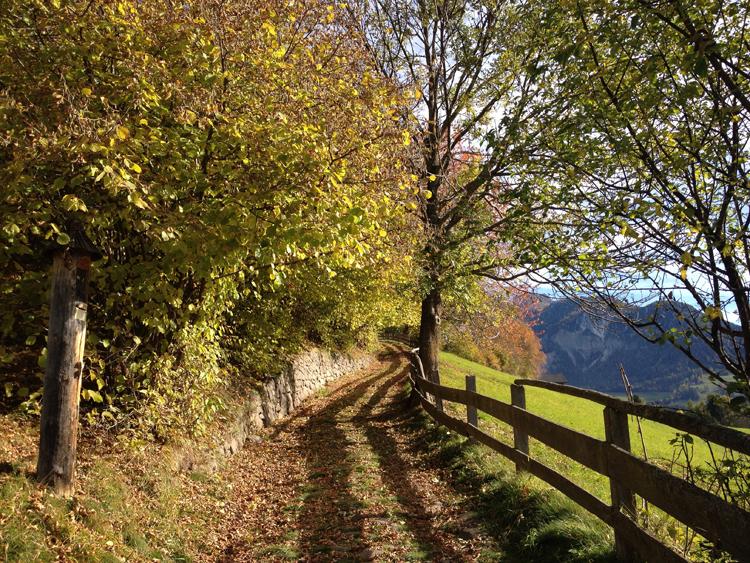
(429, 336)
(62, 381)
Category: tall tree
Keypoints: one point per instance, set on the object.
(473, 68)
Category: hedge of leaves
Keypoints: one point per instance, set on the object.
(237, 163)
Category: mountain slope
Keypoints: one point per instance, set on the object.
(588, 351)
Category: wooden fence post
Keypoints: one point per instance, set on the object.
(438, 398)
(414, 394)
(520, 438)
(416, 371)
(62, 380)
(471, 411)
(617, 433)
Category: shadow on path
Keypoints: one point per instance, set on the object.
(357, 475)
(420, 514)
(362, 500)
(332, 517)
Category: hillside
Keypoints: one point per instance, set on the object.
(572, 412)
(588, 352)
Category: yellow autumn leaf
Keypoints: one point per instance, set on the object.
(138, 201)
(713, 313)
(136, 168)
(86, 91)
(269, 28)
(122, 132)
(406, 138)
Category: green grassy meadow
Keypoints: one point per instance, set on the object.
(578, 414)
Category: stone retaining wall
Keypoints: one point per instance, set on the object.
(307, 373)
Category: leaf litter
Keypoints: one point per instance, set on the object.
(346, 478)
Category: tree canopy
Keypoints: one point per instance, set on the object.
(261, 175)
(238, 166)
(649, 158)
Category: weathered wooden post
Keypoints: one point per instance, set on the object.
(616, 432)
(471, 411)
(416, 372)
(439, 403)
(438, 399)
(62, 380)
(520, 438)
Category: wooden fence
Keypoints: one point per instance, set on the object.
(726, 525)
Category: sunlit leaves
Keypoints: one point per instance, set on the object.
(656, 137)
(225, 167)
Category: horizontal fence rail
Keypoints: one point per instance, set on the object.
(726, 525)
(681, 420)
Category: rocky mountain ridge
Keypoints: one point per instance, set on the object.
(587, 351)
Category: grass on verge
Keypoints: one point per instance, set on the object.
(587, 417)
(530, 521)
(580, 414)
(129, 505)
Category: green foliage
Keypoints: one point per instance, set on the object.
(648, 162)
(230, 172)
(726, 474)
(718, 409)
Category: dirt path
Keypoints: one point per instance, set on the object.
(345, 479)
